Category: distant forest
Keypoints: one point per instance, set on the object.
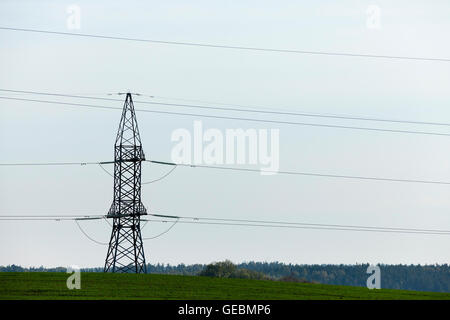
(407, 277)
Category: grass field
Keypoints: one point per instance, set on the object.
(49, 285)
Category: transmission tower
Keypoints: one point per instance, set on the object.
(126, 250)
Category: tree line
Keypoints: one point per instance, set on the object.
(406, 277)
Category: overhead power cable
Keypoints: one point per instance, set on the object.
(49, 217)
(236, 222)
(222, 46)
(293, 223)
(105, 171)
(236, 118)
(162, 233)
(314, 174)
(240, 109)
(304, 227)
(89, 237)
(144, 239)
(40, 219)
(142, 183)
(75, 218)
(72, 216)
(160, 178)
(48, 164)
(107, 221)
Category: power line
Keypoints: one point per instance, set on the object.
(72, 216)
(220, 220)
(302, 227)
(39, 219)
(220, 46)
(142, 228)
(62, 95)
(302, 173)
(160, 178)
(107, 221)
(162, 233)
(241, 109)
(289, 113)
(236, 118)
(295, 223)
(90, 238)
(49, 164)
(242, 222)
(106, 171)
(143, 183)
(49, 218)
(75, 218)
(313, 174)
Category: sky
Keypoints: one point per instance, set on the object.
(382, 88)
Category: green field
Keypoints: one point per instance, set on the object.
(49, 285)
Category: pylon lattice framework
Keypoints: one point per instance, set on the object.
(126, 250)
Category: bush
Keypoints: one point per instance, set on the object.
(226, 269)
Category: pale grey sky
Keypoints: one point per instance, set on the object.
(412, 90)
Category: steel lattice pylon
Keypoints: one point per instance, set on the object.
(126, 250)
